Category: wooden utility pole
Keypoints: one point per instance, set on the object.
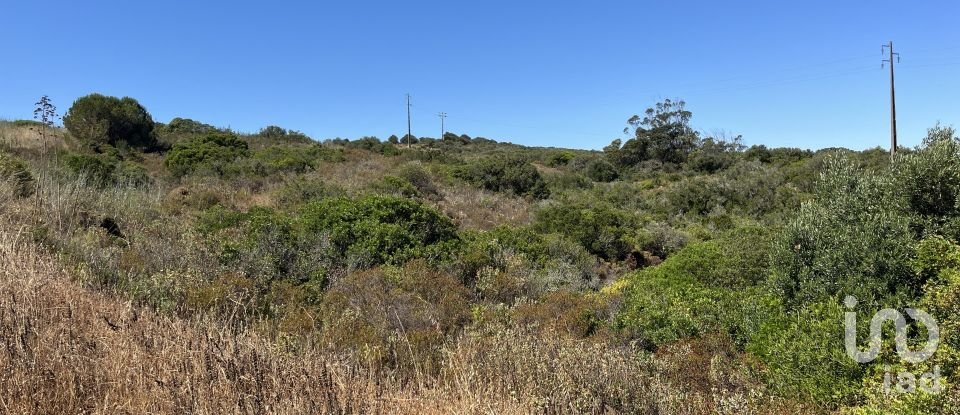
(893, 98)
(443, 130)
(409, 135)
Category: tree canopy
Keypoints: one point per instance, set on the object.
(98, 119)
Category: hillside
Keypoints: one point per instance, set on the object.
(183, 268)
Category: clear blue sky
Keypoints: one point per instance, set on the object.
(802, 73)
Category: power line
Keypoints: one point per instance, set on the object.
(443, 131)
(409, 129)
(893, 99)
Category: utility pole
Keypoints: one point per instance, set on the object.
(409, 135)
(443, 131)
(893, 99)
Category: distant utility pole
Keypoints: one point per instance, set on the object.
(443, 131)
(893, 99)
(409, 135)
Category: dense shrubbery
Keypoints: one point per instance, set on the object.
(705, 287)
(291, 159)
(601, 229)
(854, 239)
(505, 174)
(378, 230)
(930, 181)
(601, 170)
(98, 168)
(373, 144)
(274, 135)
(208, 152)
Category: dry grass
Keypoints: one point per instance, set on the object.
(479, 209)
(358, 171)
(29, 138)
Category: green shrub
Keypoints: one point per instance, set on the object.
(557, 182)
(97, 119)
(187, 126)
(420, 179)
(853, 239)
(736, 259)
(266, 245)
(98, 169)
(505, 174)
(129, 173)
(940, 259)
(209, 152)
(697, 195)
(395, 186)
(600, 170)
(27, 123)
(707, 286)
(380, 229)
(299, 190)
(930, 180)
(560, 158)
(287, 159)
(16, 172)
(602, 229)
(713, 155)
(804, 356)
(661, 239)
(373, 144)
(554, 261)
(179, 129)
(662, 305)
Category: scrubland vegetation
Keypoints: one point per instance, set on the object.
(186, 268)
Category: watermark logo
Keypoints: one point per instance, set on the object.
(906, 382)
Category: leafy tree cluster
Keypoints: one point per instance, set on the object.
(663, 134)
(275, 134)
(98, 120)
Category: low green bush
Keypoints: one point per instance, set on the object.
(98, 169)
(299, 191)
(395, 186)
(661, 307)
(707, 286)
(736, 259)
(418, 176)
(560, 158)
(208, 152)
(373, 144)
(505, 174)
(602, 229)
(601, 170)
(804, 357)
(375, 230)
